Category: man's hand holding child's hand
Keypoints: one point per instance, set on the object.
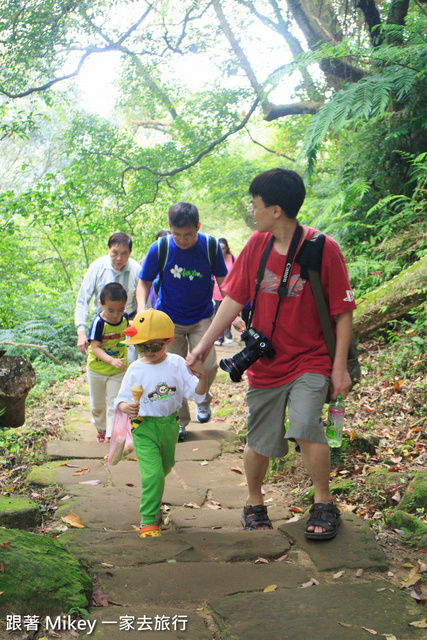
(197, 368)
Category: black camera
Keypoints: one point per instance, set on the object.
(257, 346)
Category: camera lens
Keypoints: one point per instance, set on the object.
(228, 365)
(241, 361)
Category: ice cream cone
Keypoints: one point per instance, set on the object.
(137, 391)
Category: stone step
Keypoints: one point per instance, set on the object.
(336, 612)
(126, 549)
(188, 583)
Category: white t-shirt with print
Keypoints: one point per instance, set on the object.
(165, 386)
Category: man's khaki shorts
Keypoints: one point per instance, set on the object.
(304, 398)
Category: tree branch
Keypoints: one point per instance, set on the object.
(34, 346)
(238, 51)
(275, 111)
(151, 83)
(276, 153)
(113, 46)
(282, 28)
(316, 34)
(208, 149)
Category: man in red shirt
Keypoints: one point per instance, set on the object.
(300, 373)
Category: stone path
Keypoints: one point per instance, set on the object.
(203, 579)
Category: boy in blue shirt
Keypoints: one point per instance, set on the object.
(107, 357)
(185, 293)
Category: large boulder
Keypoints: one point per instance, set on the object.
(40, 577)
(19, 512)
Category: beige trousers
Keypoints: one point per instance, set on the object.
(185, 339)
(103, 391)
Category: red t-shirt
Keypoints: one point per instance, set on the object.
(298, 338)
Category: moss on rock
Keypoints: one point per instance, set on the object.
(44, 475)
(40, 576)
(416, 493)
(398, 519)
(19, 512)
(380, 479)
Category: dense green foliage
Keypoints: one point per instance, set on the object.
(70, 178)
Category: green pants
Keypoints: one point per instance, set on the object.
(154, 440)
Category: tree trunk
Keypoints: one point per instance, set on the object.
(392, 300)
(17, 378)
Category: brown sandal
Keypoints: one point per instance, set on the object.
(325, 515)
(254, 517)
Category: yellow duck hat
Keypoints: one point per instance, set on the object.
(149, 325)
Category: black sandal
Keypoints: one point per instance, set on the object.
(254, 517)
(325, 515)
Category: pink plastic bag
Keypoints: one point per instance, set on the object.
(121, 441)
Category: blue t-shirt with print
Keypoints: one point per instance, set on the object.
(186, 290)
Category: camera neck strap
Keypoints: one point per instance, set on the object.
(282, 290)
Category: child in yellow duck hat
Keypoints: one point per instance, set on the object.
(152, 391)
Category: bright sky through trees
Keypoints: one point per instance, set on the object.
(265, 50)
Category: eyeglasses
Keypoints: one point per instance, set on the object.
(250, 208)
(153, 347)
(114, 312)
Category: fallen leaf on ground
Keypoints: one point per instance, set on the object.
(310, 583)
(359, 573)
(204, 463)
(192, 505)
(339, 574)
(196, 449)
(129, 484)
(412, 578)
(73, 520)
(296, 510)
(262, 561)
(281, 558)
(211, 505)
(105, 564)
(81, 472)
(420, 624)
(99, 600)
(67, 497)
(389, 636)
(271, 587)
(374, 633)
(294, 519)
(72, 466)
(93, 482)
(344, 624)
(237, 470)
(5, 545)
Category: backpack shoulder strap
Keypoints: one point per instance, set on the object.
(310, 254)
(322, 310)
(310, 259)
(162, 254)
(212, 245)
